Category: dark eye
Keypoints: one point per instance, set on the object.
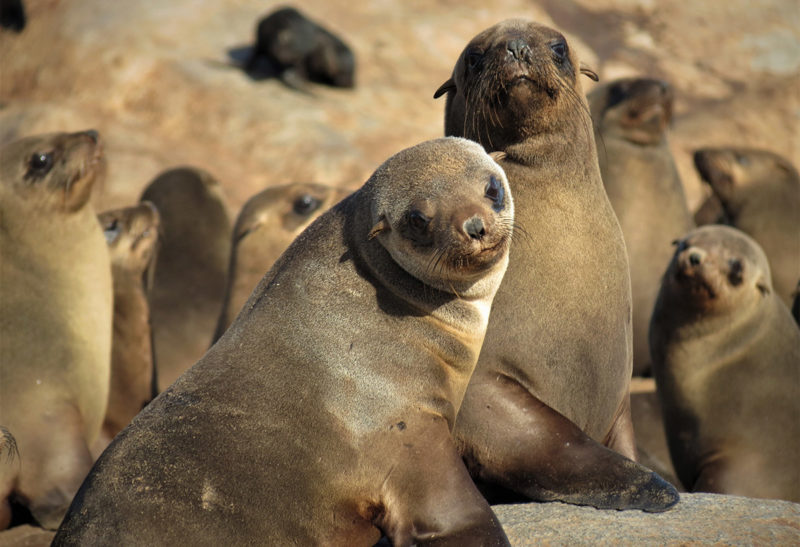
(680, 245)
(417, 221)
(40, 163)
(111, 230)
(495, 192)
(474, 57)
(735, 275)
(305, 204)
(559, 49)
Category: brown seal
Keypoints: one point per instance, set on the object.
(551, 385)
(296, 48)
(266, 225)
(132, 234)
(55, 318)
(323, 415)
(759, 193)
(631, 117)
(192, 263)
(725, 356)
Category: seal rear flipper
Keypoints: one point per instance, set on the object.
(510, 439)
(430, 499)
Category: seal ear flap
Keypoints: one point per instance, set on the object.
(763, 287)
(380, 226)
(591, 74)
(446, 87)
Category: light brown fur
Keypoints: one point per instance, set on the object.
(631, 117)
(758, 192)
(132, 234)
(323, 414)
(55, 318)
(266, 225)
(189, 282)
(551, 385)
(726, 355)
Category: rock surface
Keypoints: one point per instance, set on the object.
(698, 519)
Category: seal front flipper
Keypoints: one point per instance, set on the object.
(530, 449)
(428, 497)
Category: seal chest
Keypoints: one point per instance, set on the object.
(323, 414)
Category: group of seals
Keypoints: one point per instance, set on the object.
(267, 223)
(725, 355)
(323, 415)
(546, 414)
(296, 48)
(631, 117)
(189, 282)
(132, 236)
(757, 192)
(55, 318)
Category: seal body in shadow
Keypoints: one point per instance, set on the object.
(725, 355)
(323, 414)
(266, 225)
(759, 193)
(547, 414)
(189, 282)
(132, 235)
(55, 318)
(298, 49)
(631, 117)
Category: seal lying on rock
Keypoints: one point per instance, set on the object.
(551, 386)
(132, 235)
(725, 355)
(631, 117)
(298, 49)
(266, 225)
(758, 193)
(55, 317)
(323, 414)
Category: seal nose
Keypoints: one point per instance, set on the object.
(474, 227)
(517, 48)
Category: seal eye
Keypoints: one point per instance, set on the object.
(742, 160)
(111, 231)
(474, 57)
(560, 50)
(735, 275)
(418, 222)
(495, 192)
(306, 204)
(40, 164)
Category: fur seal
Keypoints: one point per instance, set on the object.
(725, 356)
(759, 192)
(132, 235)
(298, 49)
(323, 414)
(551, 385)
(266, 225)
(55, 318)
(631, 117)
(189, 282)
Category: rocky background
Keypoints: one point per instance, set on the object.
(158, 80)
(155, 78)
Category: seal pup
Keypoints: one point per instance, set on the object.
(55, 318)
(266, 225)
(298, 49)
(189, 282)
(759, 192)
(551, 385)
(323, 414)
(132, 235)
(725, 355)
(631, 117)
